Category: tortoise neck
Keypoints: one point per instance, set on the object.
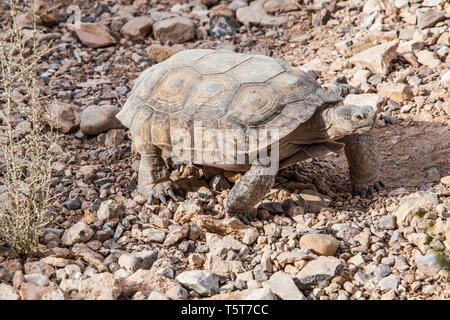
(319, 128)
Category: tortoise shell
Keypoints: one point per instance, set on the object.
(219, 90)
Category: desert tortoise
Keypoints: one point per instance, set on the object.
(192, 103)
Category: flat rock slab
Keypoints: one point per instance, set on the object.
(378, 58)
(415, 203)
(256, 14)
(94, 35)
(318, 273)
(283, 286)
(174, 30)
(203, 282)
(427, 18)
(322, 244)
(98, 119)
(138, 27)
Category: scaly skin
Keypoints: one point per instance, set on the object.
(250, 190)
(363, 162)
(153, 176)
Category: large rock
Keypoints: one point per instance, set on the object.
(176, 235)
(138, 27)
(399, 92)
(378, 58)
(427, 18)
(283, 286)
(98, 119)
(94, 35)
(203, 282)
(318, 272)
(82, 251)
(431, 264)
(429, 59)
(79, 232)
(30, 291)
(154, 235)
(8, 292)
(145, 281)
(108, 210)
(366, 99)
(220, 226)
(322, 244)
(174, 30)
(141, 260)
(389, 283)
(416, 203)
(100, 286)
(48, 14)
(256, 14)
(64, 117)
(187, 210)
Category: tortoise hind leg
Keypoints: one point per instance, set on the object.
(248, 191)
(153, 176)
(364, 164)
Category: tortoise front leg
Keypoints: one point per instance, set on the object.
(363, 162)
(248, 191)
(153, 176)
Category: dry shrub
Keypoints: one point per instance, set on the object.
(25, 163)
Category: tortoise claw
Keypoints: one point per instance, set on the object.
(377, 186)
(246, 218)
(162, 198)
(161, 191)
(172, 195)
(363, 193)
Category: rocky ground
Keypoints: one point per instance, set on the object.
(106, 242)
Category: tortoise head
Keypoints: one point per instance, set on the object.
(346, 120)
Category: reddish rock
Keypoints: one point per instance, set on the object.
(174, 30)
(138, 27)
(94, 35)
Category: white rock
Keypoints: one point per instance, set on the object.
(203, 282)
(154, 235)
(37, 279)
(259, 294)
(108, 210)
(378, 58)
(187, 210)
(250, 236)
(366, 99)
(445, 78)
(256, 14)
(283, 286)
(156, 295)
(8, 292)
(98, 119)
(319, 272)
(410, 205)
(79, 232)
(388, 283)
(100, 286)
(129, 262)
(429, 264)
